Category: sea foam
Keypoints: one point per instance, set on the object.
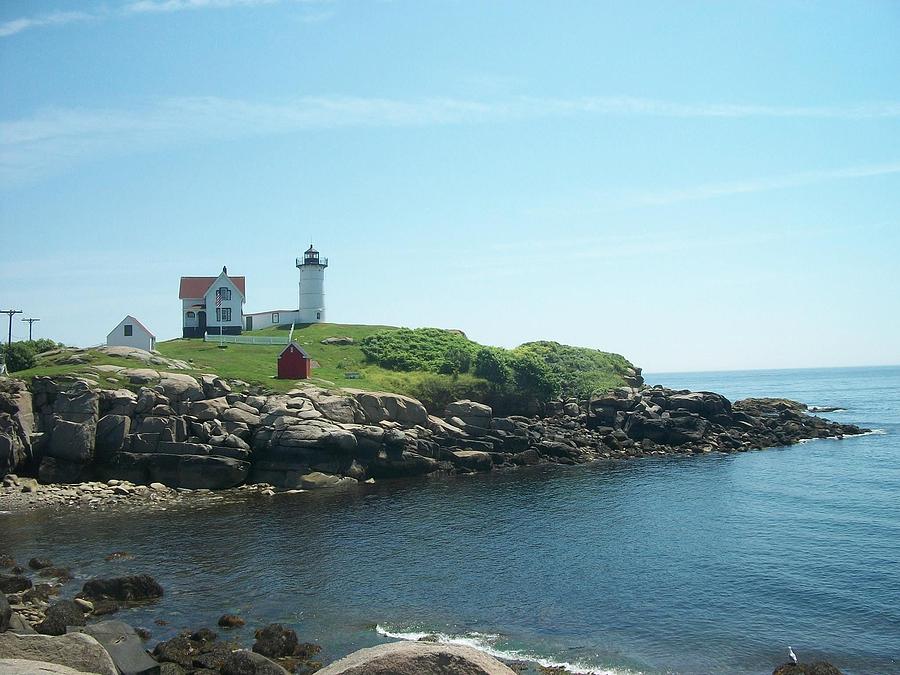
(484, 642)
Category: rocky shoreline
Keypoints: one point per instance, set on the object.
(66, 440)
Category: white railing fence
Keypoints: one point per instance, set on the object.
(246, 339)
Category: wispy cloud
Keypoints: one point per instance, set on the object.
(55, 138)
(53, 19)
(138, 7)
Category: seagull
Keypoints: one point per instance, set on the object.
(792, 655)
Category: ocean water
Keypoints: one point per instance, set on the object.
(712, 564)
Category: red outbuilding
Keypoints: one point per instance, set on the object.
(294, 363)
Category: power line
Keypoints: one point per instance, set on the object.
(30, 324)
(10, 313)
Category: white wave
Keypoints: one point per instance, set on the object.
(482, 642)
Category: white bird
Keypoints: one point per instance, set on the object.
(792, 655)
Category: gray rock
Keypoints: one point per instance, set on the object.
(118, 402)
(210, 409)
(72, 441)
(380, 406)
(243, 662)
(470, 412)
(28, 667)
(124, 647)
(128, 588)
(337, 340)
(475, 460)
(75, 650)
(239, 415)
(314, 433)
(415, 658)
(5, 612)
(79, 405)
(58, 616)
(317, 479)
(179, 387)
(14, 583)
(111, 433)
(54, 470)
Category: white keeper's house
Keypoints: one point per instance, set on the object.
(212, 305)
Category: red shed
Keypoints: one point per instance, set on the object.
(294, 363)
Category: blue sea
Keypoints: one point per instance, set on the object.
(708, 564)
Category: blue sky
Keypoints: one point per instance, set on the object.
(695, 185)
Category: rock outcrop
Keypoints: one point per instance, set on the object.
(196, 433)
(414, 658)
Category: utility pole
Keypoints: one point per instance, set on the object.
(10, 313)
(30, 324)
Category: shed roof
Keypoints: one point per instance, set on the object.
(196, 287)
(300, 349)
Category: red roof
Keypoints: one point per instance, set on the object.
(196, 287)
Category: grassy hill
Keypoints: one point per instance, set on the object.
(433, 365)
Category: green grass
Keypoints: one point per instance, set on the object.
(256, 364)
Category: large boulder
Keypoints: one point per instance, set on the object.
(317, 480)
(473, 414)
(111, 433)
(52, 470)
(209, 409)
(58, 616)
(240, 415)
(179, 387)
(402, 465)
(72, 441)
(14, 450)
(706, 404)
(127, 589)
(194, 472)
(382, 406)
(14, 583)
(414, 658)
(78, 405)
(243, 662)
(29, 667)
(75, 650)
(5, 612)
(314, 433)
(117, 402)
(124, 646)
(668, 430)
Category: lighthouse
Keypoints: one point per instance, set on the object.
(312, 286)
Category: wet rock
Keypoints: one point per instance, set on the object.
(820, 668)
(244, 662)
(58, 616)
(129, 588)
(180, 650)
(276, 641)
(39, 563)
(14, 583)
(5, 612)
(231, 621)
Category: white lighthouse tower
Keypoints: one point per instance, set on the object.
(312, 286)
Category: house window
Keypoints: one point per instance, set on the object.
(129, 330)
(225, 294)
(226, 314)
(318, 315)
(274, 317)
(190, 315)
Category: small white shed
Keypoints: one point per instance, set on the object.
(131, 333)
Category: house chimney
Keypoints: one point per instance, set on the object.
(224, 270)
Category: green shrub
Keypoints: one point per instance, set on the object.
(429, 349)
(436, 391)
(18, 356)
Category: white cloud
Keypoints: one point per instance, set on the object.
(53, 139)
(138, 7)
(55, 19)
